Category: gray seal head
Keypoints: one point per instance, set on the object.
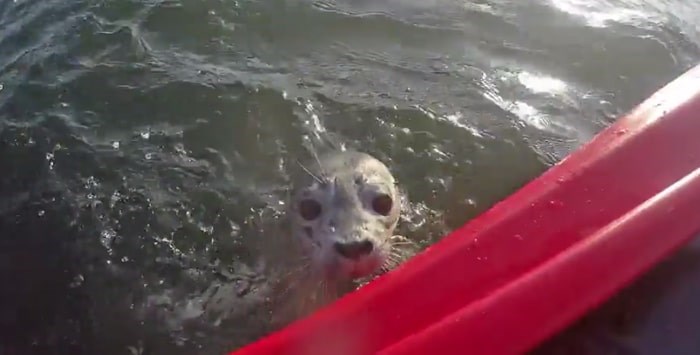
(342, 211)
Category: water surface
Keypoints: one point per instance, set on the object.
(137, 138)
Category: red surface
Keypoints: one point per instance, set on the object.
(569, 284)
(539, 259)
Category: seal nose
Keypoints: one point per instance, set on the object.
(354, 250)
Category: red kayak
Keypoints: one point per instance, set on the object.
(540, 259)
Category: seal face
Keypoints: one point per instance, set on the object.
(343, 212)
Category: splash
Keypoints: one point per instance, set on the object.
(601, 13)
(542, 83)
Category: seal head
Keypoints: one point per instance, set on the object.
(343, 212)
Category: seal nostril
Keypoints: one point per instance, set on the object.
(366, 246)
(354, 250)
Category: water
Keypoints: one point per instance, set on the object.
(138, 138)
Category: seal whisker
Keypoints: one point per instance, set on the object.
(318, 179)
(396, 258)
(320, 165)
(394, 254)
(401, 243)
(391, 263)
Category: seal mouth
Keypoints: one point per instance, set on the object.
(357, 273)
(359, 268)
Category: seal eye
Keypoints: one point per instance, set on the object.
(309, 209)
(382, 204)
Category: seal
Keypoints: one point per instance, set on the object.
(343, 211)
(335, 234)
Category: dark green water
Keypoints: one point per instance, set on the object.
(138, 137)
